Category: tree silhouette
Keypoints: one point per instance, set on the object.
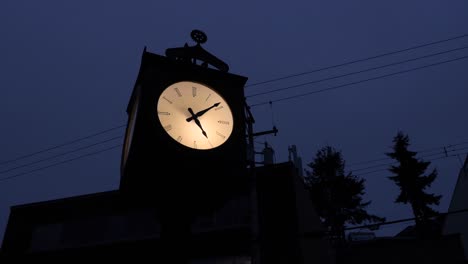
(337, 196)
(409, 177)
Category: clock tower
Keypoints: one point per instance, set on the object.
(186, 134)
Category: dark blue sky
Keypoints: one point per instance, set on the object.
(67, 71)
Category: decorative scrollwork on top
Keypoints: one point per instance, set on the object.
(197, 53)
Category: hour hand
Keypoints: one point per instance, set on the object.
(202, 112)
(194, 117)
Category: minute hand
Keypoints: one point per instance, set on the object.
(202, 112)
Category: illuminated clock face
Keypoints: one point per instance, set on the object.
(195, 115)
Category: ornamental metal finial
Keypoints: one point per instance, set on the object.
(198, 36)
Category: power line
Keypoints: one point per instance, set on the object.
(405, 220)
(358, 82)
(59, 155)
(379, 224)
(384, 169)
(368, 161)
(107, 130)
(58, 163)
(359, 60)
(444, 152)
(418, 151)
(104, 141)
(263, 82)
(119, 145)
(282, 78)
(61, 145)
(444, 147)
(357, 72)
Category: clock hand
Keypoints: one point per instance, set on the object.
(194, 117)
(202, 112)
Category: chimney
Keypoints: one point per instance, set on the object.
(268, 154)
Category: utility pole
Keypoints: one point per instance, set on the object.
(253, 184)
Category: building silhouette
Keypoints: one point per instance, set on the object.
(177, 203)
(456, 222)
(109, 226)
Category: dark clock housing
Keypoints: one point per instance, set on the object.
(155, 165)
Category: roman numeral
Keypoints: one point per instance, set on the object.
(223, 122)
(218, 108)
(179, 139)
(208, 97)
(194, 91)
(168, 127)
(164, 113)
(169, 101)
(178, 92)
(195, 144)
(221, 135)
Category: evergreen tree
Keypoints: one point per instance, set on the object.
(409, 177)
(337, 196)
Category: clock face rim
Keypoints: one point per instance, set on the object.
(205, 98)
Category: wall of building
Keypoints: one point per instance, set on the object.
(290, 230)
(457, 223)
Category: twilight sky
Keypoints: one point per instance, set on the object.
(67, 69)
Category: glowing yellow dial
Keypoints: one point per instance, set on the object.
(195, 115)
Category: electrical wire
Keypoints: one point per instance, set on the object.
(97, 152)
(383, 224)
(60, 154)
(356, 72)
(255, 84)
(444, 152)
(438, 158)
(360, 60)
(61, 145)
(359, 82)
(282, 99)
(58, 163)
(404, 220)
(418, 151)
(260, 143)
